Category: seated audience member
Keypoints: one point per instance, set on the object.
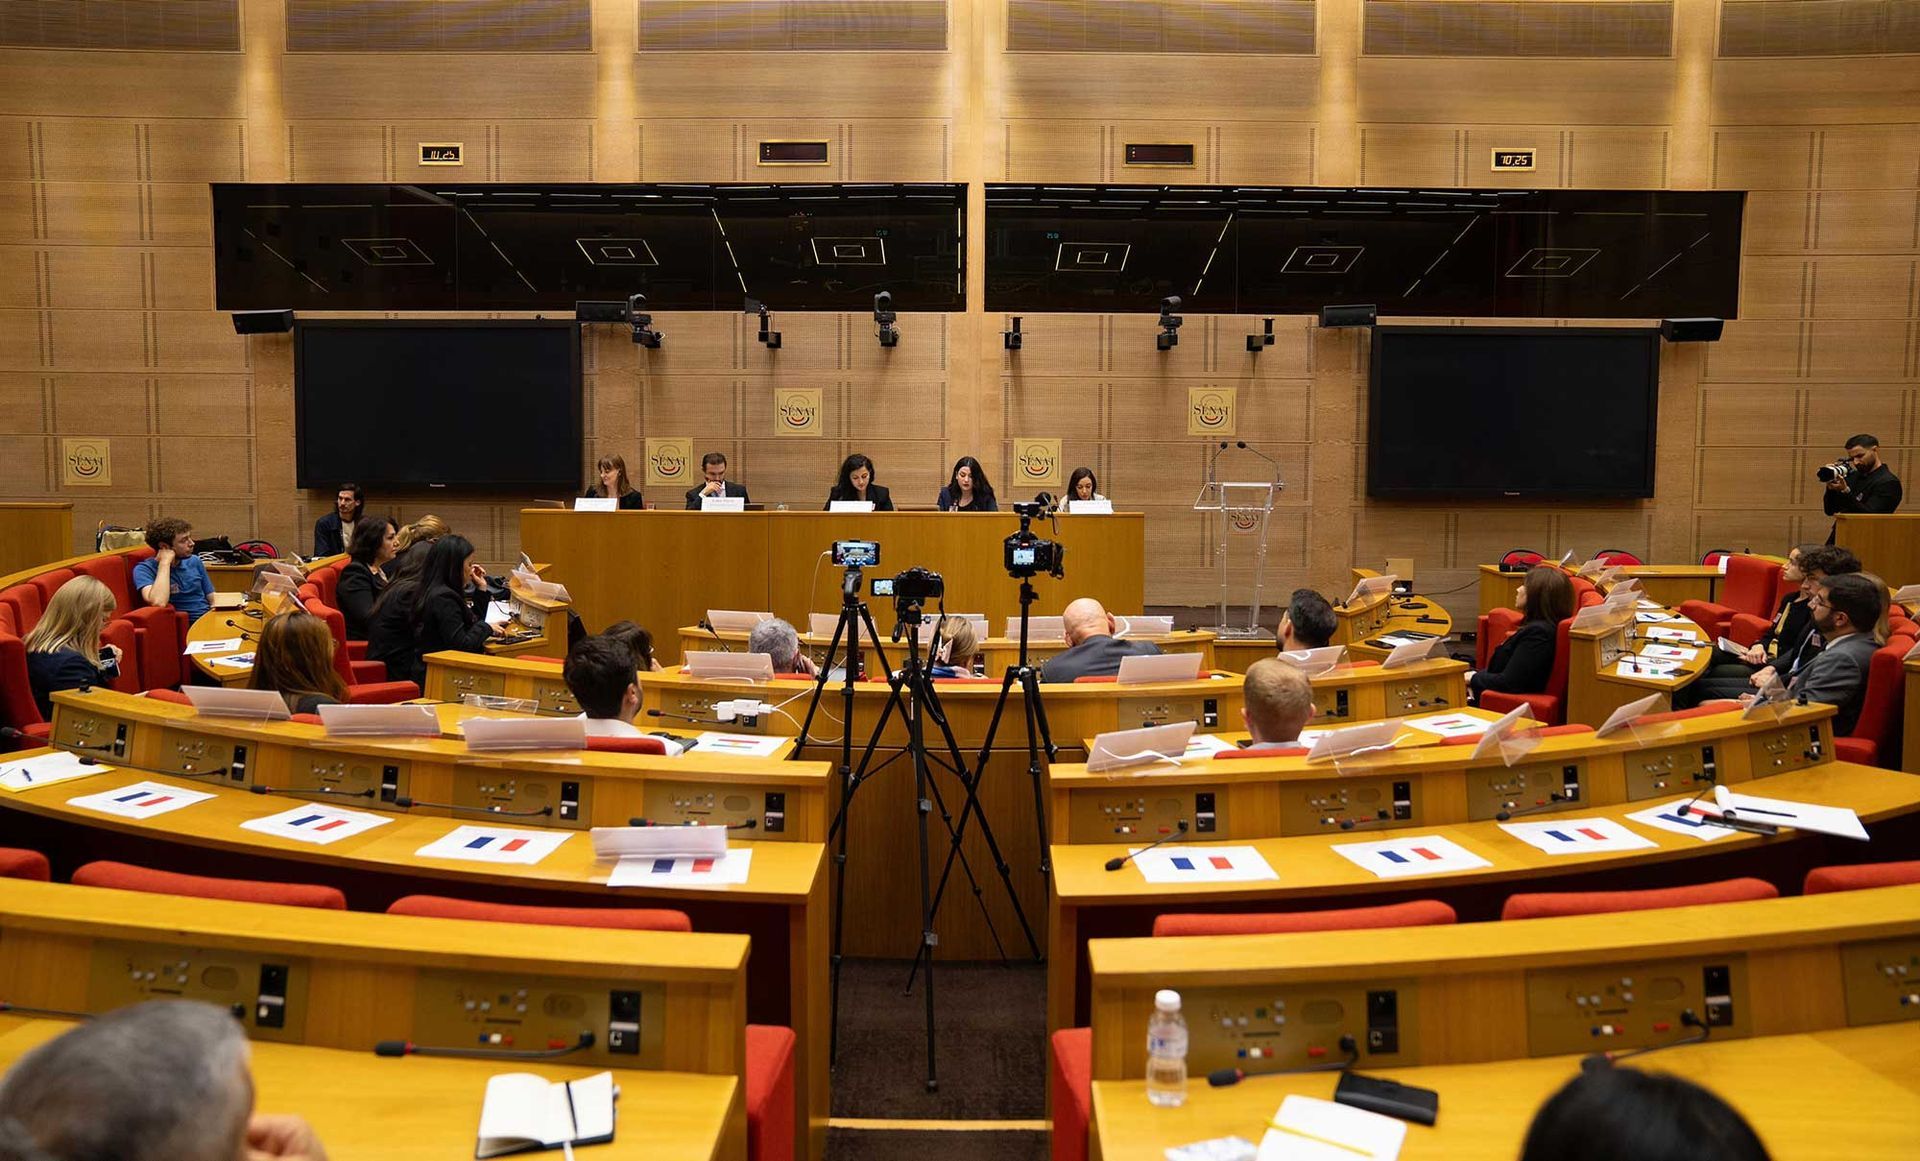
(64, 650)
(1082, 485)
(856, 483)
(443, 608)
(1616, 1113)
(333, 533)
(713, 466)
(166, 1080)
(638, 641)
(1731, 674)
(173, 575)
(1845, 610)
(968, 489)
(600, 674)
(960, 644)
(1524, 662)
(1279, 704)
(376, 541)
(1308, 623)
(1818, 565)
(614, 484)
(294, 659)
(425, 530)
(777, 640)
(389, 631)
(1092, 649)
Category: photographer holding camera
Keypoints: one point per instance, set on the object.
(1859, 483)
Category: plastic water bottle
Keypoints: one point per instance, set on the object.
(1167, 1051)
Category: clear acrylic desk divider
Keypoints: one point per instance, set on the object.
(1626, 721)
(1370, 586)
(1233, 499)
(1772, 701)
(1349, 740)
(1314, 662)
(1507, 740)
(1414, 651)
(367, 721)
(494, 701)
(260, 705)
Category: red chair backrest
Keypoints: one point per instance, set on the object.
(311, 592)
(622, 918)
(1519, 556)
(627, 745)
(1557, 681)
(26, 604)
(126, 877)
(328, 581)
(337, 626)
(1418, 913)
(1880, 708)
(1861, 877)
(116, 573)
(1547, 904)
(1749, 585)
(18, 863)
(48, 583)
(17, 707)
(1612, 557)
(1495, 627)
(169, 695)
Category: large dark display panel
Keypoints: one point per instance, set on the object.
(1472, 253)
(420, 404)
(1536, 412)
(501, 247)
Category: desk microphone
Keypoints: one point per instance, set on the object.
(1222, 1077)
(56, 1013)
(1599, 1060)
(655, 713)
(1553, 799)
(715, 634)
(409, 1048)
(1214, 458)
(405, 803)
(246, 634)
(1180, 828)
(747, 825)
(323, 791)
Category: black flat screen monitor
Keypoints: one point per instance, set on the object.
(416, 404)
(1535, 412)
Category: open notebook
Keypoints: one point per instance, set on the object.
(524, 1113)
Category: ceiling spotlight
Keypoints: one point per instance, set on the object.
(1012, 339)
(883, 318)
(769, 338)
(643, 332)
(1169, 336)
(1257, 343)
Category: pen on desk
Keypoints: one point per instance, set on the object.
(1757, 810)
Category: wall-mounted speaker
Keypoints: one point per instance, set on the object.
(593, 312)
(262, 322)
(1692, 330)
(1362, 315)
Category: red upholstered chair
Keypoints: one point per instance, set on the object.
(1496, 626)
(1616, 557)
(112, 570)
(1584, 592)
(362, 687)
(1072, 1055)
(627, 745)
(1748, 588)
(1521, 558)
(23, 602)
(1822, 880)
(328, 581)
(1875, 740)
(126, 877)
(1550, 706)
(17, 707)
(48, 583)
(1546, 904)
(769, 1064)
(169, 695)
(16, 863)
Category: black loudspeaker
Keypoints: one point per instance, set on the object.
(592, 312)
(262, 322)
(1691, 330)
(1349, 316)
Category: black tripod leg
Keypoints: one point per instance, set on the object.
(1038, 735)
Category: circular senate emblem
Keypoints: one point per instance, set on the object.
(797, 412)
(669, 463)
(1211, 410)
(86, 460)
(1036, 463)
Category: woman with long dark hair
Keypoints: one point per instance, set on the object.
(443, 608)
(1083, 485)
(295, 660)
(967, 489)
(1523, 663)
(856, 483)
(375, 543)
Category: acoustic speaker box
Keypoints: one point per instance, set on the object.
(1691, 330)
(262, 322)
(592, 312)
(1349, 316)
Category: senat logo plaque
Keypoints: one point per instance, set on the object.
(667, 459)
(442, 153)
(1211, 410)
(796, 410)
(86, 463)
(1037, 461)
(1513, 160)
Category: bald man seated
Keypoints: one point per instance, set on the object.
(1092, 649)
(1279, 704)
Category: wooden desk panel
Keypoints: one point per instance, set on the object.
(996, 653)
(1910, 736)
(1669, 584)
(1888, 546)
(34, 534)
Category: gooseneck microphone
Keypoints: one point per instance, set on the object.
(55, 1013)
(409, 1048)
(1553, 800)
(1222, 1077)
(322, 791)
(747, 825)
(1593, 1062)
(1117, 862)
(405, 803)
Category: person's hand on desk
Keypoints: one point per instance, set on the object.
(1761, 678)
(804, 664)
(282, 1137)
(1754, 655)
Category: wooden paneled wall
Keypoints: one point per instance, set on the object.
(109, 134)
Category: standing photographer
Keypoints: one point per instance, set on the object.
(1860, 483)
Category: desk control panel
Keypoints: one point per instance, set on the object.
(1349, 802)
(1881, 979)
(1335, 704)
(488, 1010)
(1132, 713)
(678, 707)
(91, 733)
(1419, 695)
(210, 758)
(523, 797)
(1273, 1028)
(356, 779)
(1603, 1007)
(266, 993)
(1793, 747)
(461, 682)
(553, 697)
(1536, 787)
(1135, 813)
(756, 813)
(1664, 771)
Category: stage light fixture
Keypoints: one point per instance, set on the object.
(1169, 336)
(884, 318)
(1258, 343)
(1012, 339)
(769, 338)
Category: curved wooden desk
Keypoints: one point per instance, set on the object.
(1670, 584)
(996, 653)
(244, 624)
(1359, 625)
(238, 578)
(1596, 655)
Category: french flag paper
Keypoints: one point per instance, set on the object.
(1203, 865)
(495, 844)
(140, 800)
(1402, 858)
(1669, 818)
(729, 870)
(1578, 836)
(319, 825)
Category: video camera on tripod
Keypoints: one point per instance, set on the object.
(1028, 555)
(913, 588)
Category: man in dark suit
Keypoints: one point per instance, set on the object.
(714, 466)
(1845, 610)
(1092, 649)
(334, 531)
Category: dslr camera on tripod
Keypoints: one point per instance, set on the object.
(1027, 554)
(914, 588)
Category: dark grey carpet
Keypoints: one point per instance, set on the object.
(858, 1145)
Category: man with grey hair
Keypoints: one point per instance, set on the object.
(165, 1080)
(778, 640)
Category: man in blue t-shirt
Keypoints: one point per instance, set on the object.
(173, 575)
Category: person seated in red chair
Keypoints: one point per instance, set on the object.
(376, 541)
(638, 641)
(173, 575)
(166, 1080)
(295, 660)
(600, 673)
(1279, 704)
(1845, 610)
(333, 533)
(777, 639)
(1524, 661)
(1308, 623)
(1788, 643)
(1092, 649)
(64, 651)
(959, 646)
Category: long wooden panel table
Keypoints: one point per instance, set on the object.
(1888, 546)
(996, 653)
(34, 534)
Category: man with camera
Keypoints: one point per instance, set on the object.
(1861, 482)
(1092, 649)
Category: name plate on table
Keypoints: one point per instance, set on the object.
(1314, 661)
(1370, 586)
(1143, 626)
(1413, 651)
(730, 666)
(850, 505)
(1122, 748)
(736, 620)
(596, 504)
(258, 704)
(1152, 667)
(1090, 507)
(1038, 629)
(723, 503)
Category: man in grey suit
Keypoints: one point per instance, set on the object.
(1845, 609)
(1092, 649)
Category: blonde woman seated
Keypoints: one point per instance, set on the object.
(295, 660)
(64, 651)
(961, 644)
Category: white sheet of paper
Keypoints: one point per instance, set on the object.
(1669, 653)
(723, 503)
(647, 871)
(1401, 858)
(1668, 633)
(234, 661)
(1646, 668)
(1448, 725)
(1730, 645)
(1577, 836)
(140, 800)
(1669, 818)
(597, 504)
(45, 770)
(1208, 864)
(1207, 745)
(499, 612)
(495, 844)
(1655, 618)
(713, 744)
(319, 825)
(225, 645)
(1838, 821)
(850, 506)
(1310, 1129)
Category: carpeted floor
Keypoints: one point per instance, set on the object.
(860, 1145)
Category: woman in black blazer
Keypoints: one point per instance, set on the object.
(968, 489)
(446, 609)
(856, 483)
(614, 483)
(376, 542)
(1524, 662)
